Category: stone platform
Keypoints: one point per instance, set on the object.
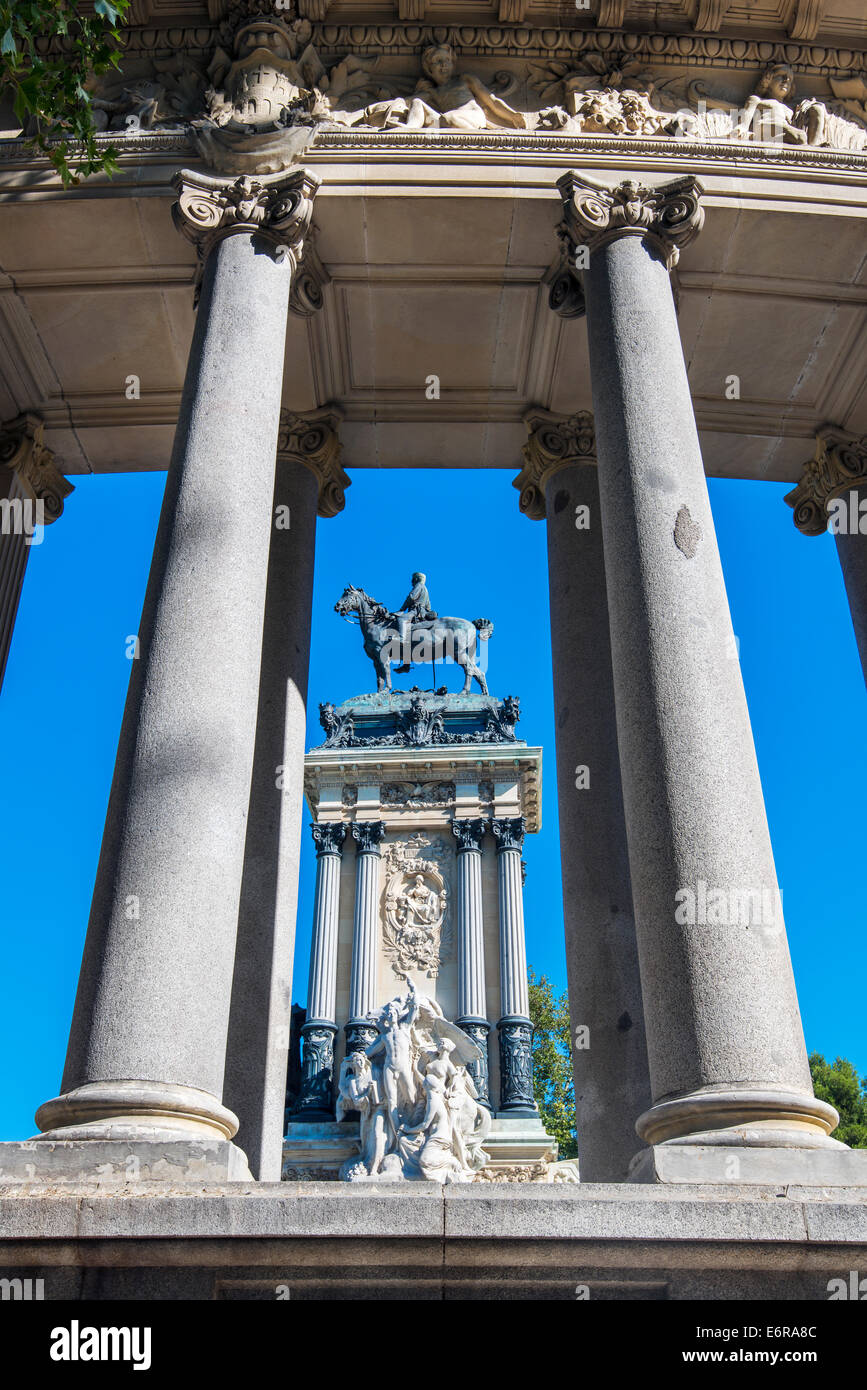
(315, 1152)
(323, 1241)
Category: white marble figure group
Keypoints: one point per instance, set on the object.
(418, 1107)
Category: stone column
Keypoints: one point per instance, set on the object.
(725, 1043)
(514, 1028)
(316, 1101)
(32, 493)
(309, 480)
(365, 934)
(147, 1046)
(832, 496)
(609, 1052)
(472, 1003)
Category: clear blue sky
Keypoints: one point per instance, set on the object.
(61, 706)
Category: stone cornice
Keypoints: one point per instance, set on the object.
(555, 442)
(279, 211)
(312, 440)
(155, 148)
(670, 215)
(22, 449)
(838, 464)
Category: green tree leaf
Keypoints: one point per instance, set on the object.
(841, 1087)
(552, 1063)
(50, 81)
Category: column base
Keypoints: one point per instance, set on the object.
(763, 1164)
(152, 1111)
(360, 1033)
(478, 1029)
(747, 1116)
(315, 1101)
(516, 1066)
(115, 1161)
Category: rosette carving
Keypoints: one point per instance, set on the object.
(592, 215)
(209, 209)
(554, 443)
(839, 464)
(312, 440)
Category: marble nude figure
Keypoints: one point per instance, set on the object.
(418, 1107)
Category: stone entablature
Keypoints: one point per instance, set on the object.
(500, 781)
(258, 90)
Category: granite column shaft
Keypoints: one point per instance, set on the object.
(514, 1026)
(725, 1043)
(148, 1040)
(472, 1002)
(609, 1048)
(365, 933)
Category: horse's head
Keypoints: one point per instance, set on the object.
(349, 601)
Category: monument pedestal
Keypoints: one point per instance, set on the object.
(754, 1163)
(314, 1152)
(49, 1162)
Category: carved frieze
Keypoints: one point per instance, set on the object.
(270, 82)
(417, 796)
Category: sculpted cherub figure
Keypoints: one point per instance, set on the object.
(444, 99)
(767, 114)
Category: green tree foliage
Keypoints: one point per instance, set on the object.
(840, 1086)
(552, 1063)
(49, 51)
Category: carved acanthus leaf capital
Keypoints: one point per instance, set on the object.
(592, 214)
(22, 448)
(469, 834)
(508, 831)
(555, 442)
(209, 209)
(328, 836)
(312, 440)
(838, 464)
(367, 834)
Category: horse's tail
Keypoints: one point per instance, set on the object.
(485, 628)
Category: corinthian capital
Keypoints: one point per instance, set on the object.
(838, 464)
(469, 834)
(367, 835)
(508, 831)
(280, 210)
(22, 449)
(312, 440)
(592, 214)
(555, 442)
(328, 836)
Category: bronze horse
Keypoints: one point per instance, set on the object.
(438, 637)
